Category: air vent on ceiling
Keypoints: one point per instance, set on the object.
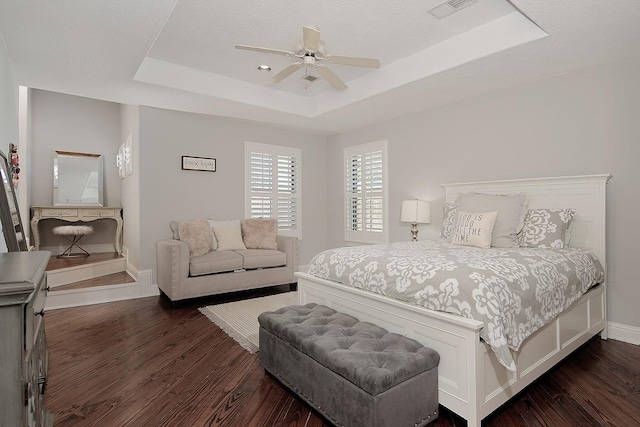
(309, 78)
(447, 8)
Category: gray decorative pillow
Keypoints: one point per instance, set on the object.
(448, 219)
(511, 209)
(546, 228)
(197, 235)
(260, 233)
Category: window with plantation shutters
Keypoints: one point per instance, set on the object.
(366, 193)
(273, 185)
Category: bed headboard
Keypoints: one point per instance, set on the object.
(587, 194)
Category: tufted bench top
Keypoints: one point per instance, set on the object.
(365, 354)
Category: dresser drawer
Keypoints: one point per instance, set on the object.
(34, 315)
(99, 213)
(58, 213)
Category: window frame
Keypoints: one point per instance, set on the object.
(274, 151)
(366, 235)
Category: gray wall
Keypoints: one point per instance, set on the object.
(71, 123)
(167, 192)
(8, 111)
(584, 122)
(579, 123)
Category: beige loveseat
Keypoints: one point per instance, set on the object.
(181, 276)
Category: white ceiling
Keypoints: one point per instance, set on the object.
(180, 54)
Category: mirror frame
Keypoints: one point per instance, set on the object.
(12, 227)
(56, 172)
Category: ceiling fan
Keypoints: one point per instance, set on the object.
(311, 54)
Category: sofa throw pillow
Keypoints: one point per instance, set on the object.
(511, 209)
(546, 228)
(173, 225)
(228, 235)
(214, 244)
(448, 219)
(176, 234)
(197, 235)
(474, 229)
(260, 233)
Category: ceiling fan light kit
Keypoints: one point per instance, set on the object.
(310, 53)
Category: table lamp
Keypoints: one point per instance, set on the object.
(415, 212)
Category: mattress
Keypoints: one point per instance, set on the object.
(513, 291)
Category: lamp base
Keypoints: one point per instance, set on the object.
(414, 232)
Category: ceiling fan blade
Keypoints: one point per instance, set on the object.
(330, 77)
(265, 50)
(311, 38)
(285, 73)
(356, 62)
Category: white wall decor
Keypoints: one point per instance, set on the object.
(128, 154)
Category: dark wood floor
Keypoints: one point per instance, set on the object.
(143, 363)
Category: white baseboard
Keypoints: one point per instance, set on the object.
(101, 294)
(625, 333)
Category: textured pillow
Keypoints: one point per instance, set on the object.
(228, 235)
(173, 225)
(197, 235)
(546, 228)
(474, 229)
(511, 209)
(448, 219)
(260, 233)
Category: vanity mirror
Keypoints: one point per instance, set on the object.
(77, 179)
(10, 219)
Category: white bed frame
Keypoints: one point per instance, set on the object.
(472, 383)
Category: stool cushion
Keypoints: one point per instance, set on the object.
(72, 230)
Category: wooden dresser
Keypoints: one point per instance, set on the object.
(23, 350)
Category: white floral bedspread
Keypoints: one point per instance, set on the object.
(514, 291)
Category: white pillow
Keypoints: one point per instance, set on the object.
(228, 234)
(511, 208)
(474, 229)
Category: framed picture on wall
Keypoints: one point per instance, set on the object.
(190, 163)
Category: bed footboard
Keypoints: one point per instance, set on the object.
(472, 383)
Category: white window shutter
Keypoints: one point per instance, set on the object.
(365, 193)
(274, 186)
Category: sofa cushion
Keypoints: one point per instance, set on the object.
(197, 235)
(215, 262)
(259, 233)
(261, 258)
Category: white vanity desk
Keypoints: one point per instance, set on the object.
(76, 214)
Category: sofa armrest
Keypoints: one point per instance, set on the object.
(172, 262)
(289, 245)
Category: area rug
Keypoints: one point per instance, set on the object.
(239, 319)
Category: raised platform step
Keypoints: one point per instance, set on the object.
(110, 279)
(62, 272)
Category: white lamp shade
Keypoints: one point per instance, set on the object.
(415, 211)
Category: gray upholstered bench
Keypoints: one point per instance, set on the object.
(354, 373)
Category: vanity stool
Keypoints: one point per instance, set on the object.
(73, 233)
